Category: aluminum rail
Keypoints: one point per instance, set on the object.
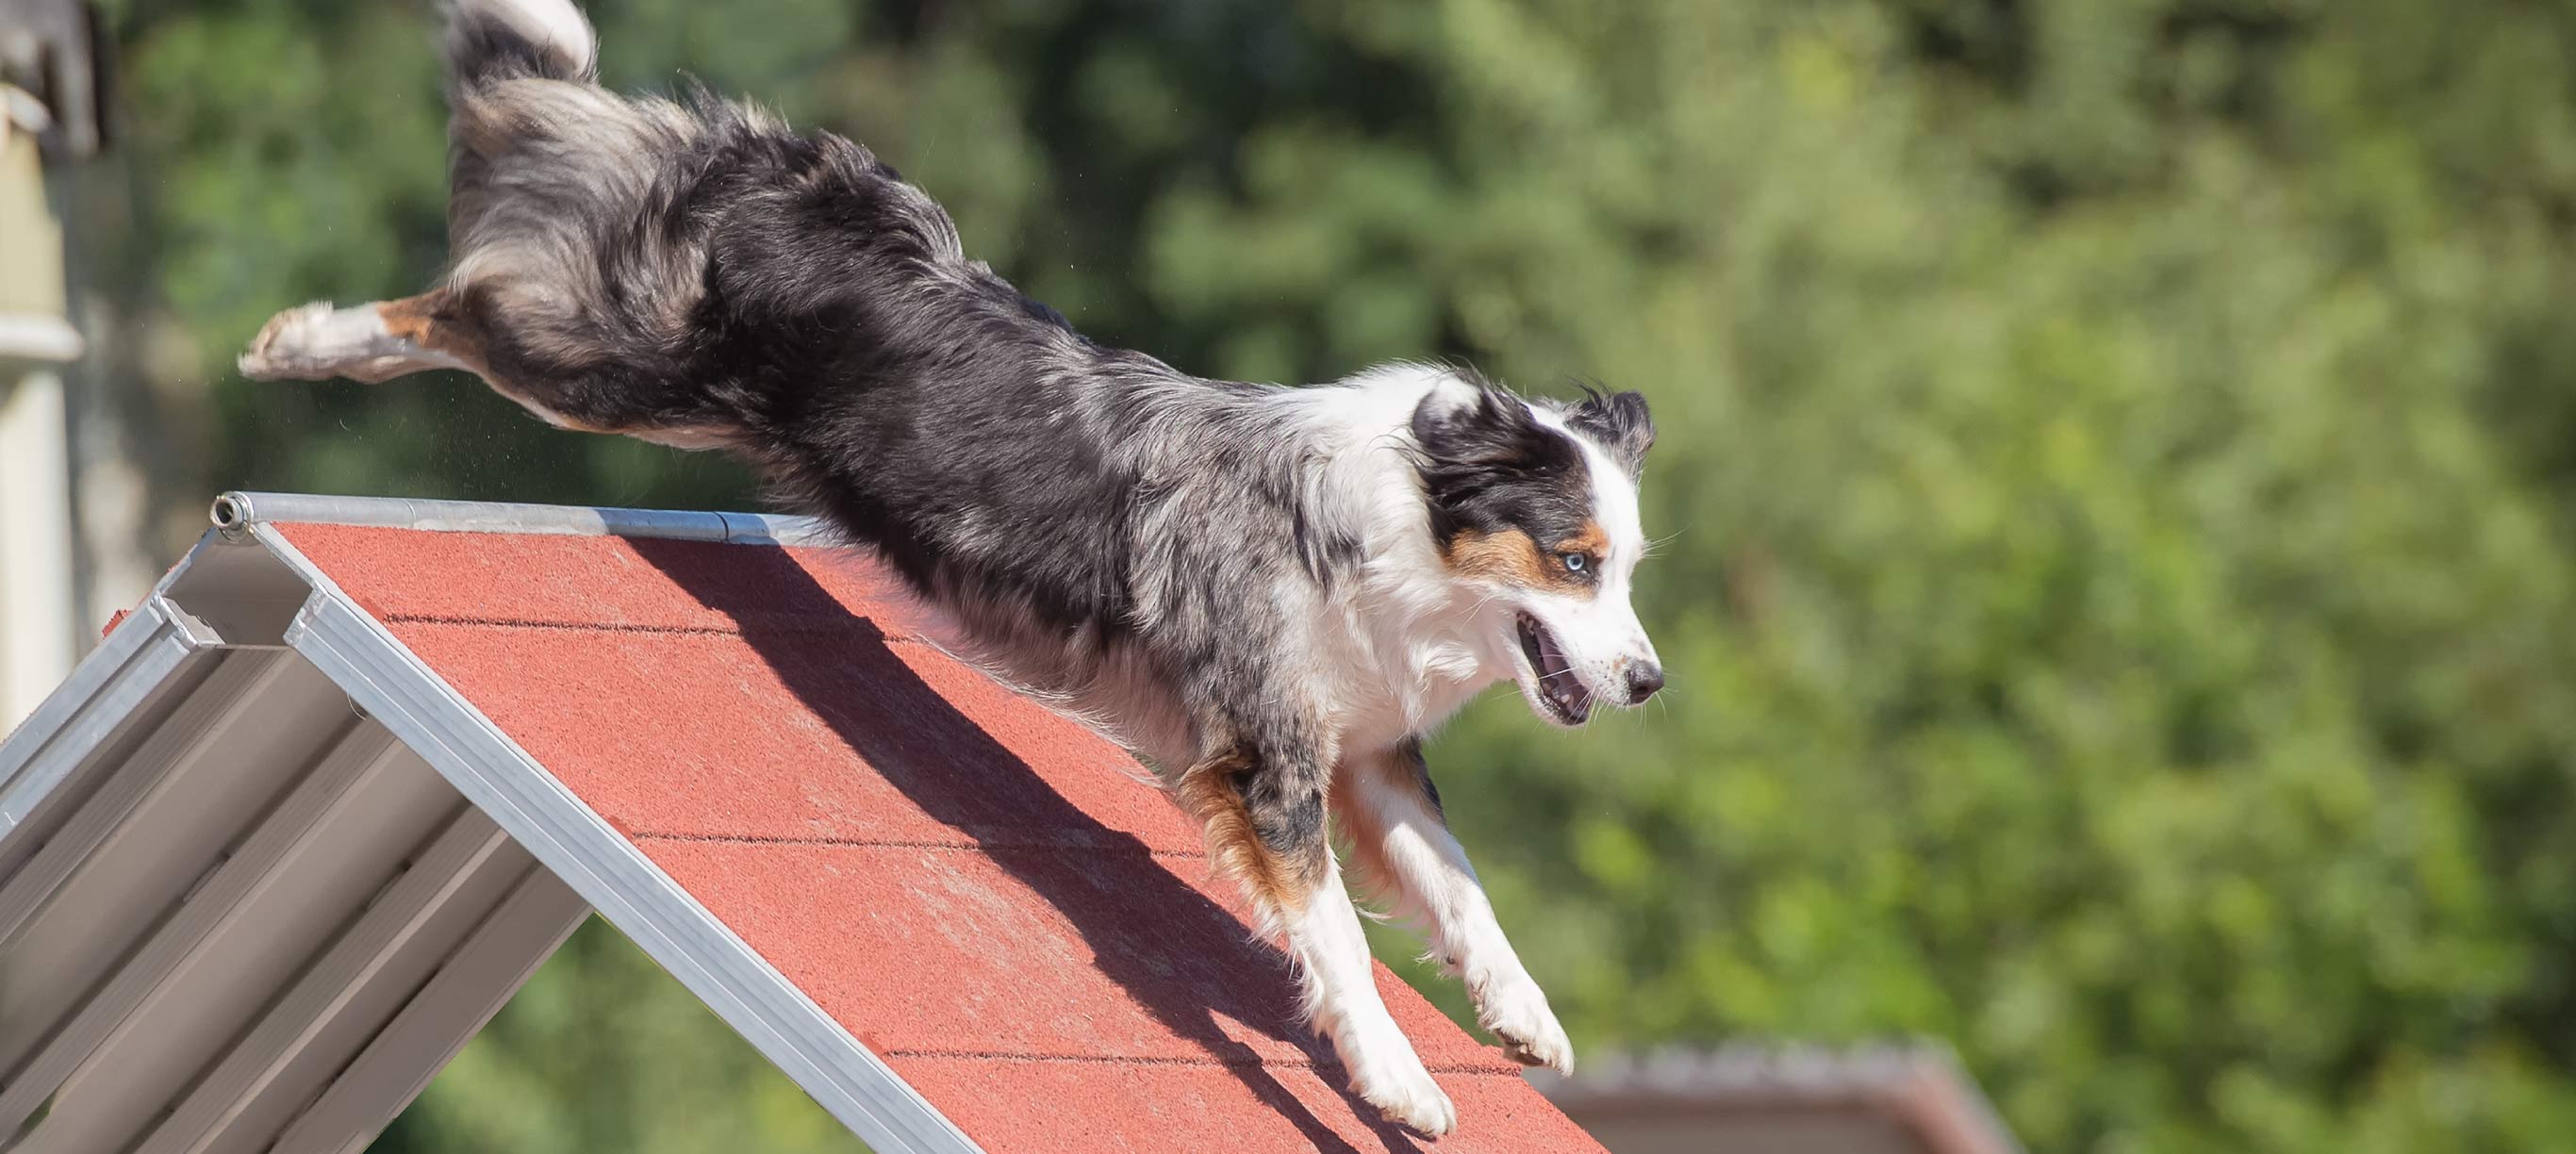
(234, 513)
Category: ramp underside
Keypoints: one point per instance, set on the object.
(239, 915)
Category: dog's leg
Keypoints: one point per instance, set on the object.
(1402, 845)
(1264, 819)
(387, 339)
(370, 342)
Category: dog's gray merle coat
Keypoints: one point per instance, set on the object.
(1268, 593)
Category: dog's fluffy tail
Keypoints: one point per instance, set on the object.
(491, 40)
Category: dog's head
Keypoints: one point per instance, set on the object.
(1534, 505)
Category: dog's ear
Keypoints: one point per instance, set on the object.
(1476, 435)
(1620, 422)
(1482, 454)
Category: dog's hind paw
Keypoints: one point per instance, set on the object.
(1517, 1014)
(285, 349)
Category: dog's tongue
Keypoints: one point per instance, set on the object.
(1551, 661)
(1556, 676)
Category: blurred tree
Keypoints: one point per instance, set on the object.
(2117, 457)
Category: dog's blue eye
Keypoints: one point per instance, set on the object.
(1574, 562)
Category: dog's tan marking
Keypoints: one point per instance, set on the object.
(1207, 792)
(1513, 558)
(1592, 541)
(431, 321)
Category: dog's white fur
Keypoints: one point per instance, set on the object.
(1411, 644)
(556, 24)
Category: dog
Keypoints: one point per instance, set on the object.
(1269, 594)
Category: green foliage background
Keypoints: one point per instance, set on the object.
(2117, 456)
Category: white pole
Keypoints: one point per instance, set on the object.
(38, 637)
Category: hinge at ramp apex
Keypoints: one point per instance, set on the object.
(234, 592)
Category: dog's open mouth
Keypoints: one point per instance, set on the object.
(1558, 686)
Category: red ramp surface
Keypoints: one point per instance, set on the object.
(982, 893)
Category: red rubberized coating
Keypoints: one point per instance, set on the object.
(983, 893)
(712, 735)
(1073, 1107)
(615, 582)
(894, 935)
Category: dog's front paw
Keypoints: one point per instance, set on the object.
(1516, 1013)
(1387, 1074)
(1407, 1096)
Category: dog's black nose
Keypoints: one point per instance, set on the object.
(1644, 678)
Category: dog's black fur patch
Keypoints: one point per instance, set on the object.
(1489, 466)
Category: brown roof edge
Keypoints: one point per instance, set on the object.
(1919, 1086)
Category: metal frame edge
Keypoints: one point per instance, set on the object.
(146, 649)
(237, 513)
